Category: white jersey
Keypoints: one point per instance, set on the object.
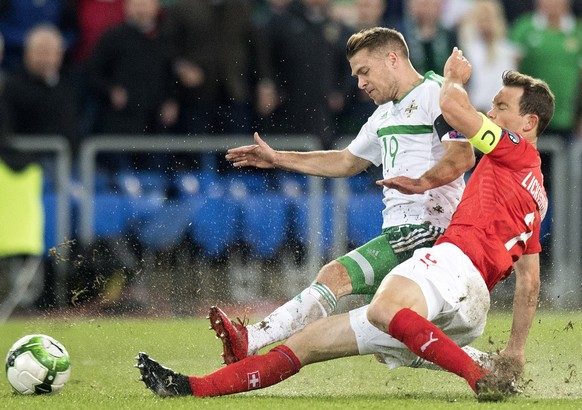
(401, 137)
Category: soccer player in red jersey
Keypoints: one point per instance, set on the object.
(495, 229)
(438, 300)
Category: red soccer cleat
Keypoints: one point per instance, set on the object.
(234, 336)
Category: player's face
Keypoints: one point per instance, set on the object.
(505, 109)
(375, 76)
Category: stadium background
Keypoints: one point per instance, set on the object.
(172, 242)
(153, 242)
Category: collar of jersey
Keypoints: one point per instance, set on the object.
(426, 75)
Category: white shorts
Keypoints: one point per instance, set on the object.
(456, 295)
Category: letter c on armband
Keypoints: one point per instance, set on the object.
(488, 136)
(488, 133)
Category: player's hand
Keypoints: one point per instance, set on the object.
(509, 365)
(404, 185)
(259, 155)
(457, 66)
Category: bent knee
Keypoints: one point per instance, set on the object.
(335, 276)
(379, 316)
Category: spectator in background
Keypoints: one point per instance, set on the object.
(13, 158)
(429, 41)
(307, 52)
(370, 13)
(219, 60)
(483, 37)
(132, 72)
(21, 177)
(550, 48)
(93, 18)
(18, 17)
(40, 99)
(453, 12)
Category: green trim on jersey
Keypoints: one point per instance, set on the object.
(370, 263)
(429, 75)
(410, 129)
(405, 129)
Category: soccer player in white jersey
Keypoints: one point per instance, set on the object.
(407, 136)
(437, 301)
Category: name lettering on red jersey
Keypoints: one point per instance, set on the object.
(533, 186)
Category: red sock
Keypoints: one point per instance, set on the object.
(429, 342)
(254, 372)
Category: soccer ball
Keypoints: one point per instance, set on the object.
(37, 364)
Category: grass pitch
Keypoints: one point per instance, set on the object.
(103, 377)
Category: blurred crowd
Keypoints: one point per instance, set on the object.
(206, 67)
(87, 68)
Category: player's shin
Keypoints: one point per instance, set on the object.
(313, 303)
(483, 359)
(430, 343)
(251, 373)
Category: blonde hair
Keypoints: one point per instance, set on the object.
(469, 27)
(376, 38)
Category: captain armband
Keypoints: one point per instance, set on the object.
(442, 127)
(488, 136)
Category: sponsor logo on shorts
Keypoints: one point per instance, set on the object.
(374, 253)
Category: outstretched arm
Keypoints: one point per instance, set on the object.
(330, 163)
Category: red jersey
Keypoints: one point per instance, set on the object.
(499, 216)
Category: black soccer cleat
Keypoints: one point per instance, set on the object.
(161, 380)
